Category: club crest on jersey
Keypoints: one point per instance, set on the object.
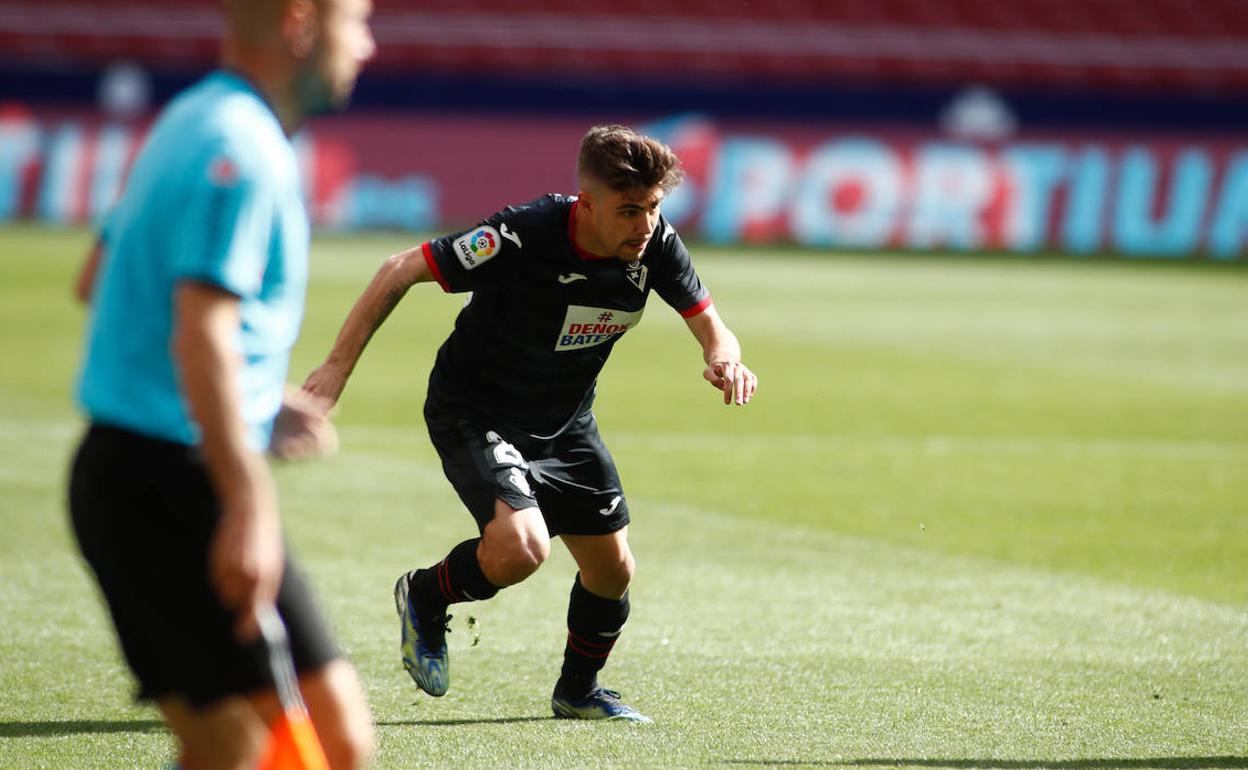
(475, 247)
(635, 272)
(585, 327)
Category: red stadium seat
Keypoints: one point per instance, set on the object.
(1128, 44)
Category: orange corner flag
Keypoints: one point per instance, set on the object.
(293, 744)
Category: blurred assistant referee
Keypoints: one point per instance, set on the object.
(196, 291)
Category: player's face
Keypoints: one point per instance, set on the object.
(345, 44)
(624, 222)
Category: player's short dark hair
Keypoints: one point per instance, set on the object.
(624, 160)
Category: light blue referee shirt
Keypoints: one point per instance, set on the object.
(214, 196)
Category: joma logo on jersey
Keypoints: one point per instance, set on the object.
(474, 248)
(585, 327)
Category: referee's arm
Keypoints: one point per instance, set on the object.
(245, 557)
(84, 283)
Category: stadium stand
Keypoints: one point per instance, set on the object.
(1150, 45)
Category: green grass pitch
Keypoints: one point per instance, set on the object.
(986, 512)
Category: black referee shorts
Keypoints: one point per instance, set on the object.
(570, 477)
(144, 512)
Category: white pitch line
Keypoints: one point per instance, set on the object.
(670, 440)
(931, 444)
(928, 444)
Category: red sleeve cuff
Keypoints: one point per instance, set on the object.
(698, 308)
(427, 250)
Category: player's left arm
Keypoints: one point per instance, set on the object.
(722, 353)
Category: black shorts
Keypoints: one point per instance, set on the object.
(144, 511)
(570, 477)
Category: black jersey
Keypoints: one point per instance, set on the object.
(544, 315)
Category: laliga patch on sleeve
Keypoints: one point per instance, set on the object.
(477, 246)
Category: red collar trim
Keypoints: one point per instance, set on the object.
(582, 253)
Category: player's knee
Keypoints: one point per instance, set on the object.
(523, 558)
(610, 578)
(621, 573)
(509, 560)
(630, 569)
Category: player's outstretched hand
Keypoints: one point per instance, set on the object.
(302, 429)
(734, 378)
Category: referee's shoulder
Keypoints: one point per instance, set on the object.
(240, 142)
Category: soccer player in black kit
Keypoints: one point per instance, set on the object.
(555, 283)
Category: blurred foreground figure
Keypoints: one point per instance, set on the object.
(196, 289)
(555, 283)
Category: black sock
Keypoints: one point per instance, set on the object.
(594, 623)
(457, 578)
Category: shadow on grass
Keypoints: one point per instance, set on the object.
(1165, 763)
(79, 727)
(103, 727)
(460, 722)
